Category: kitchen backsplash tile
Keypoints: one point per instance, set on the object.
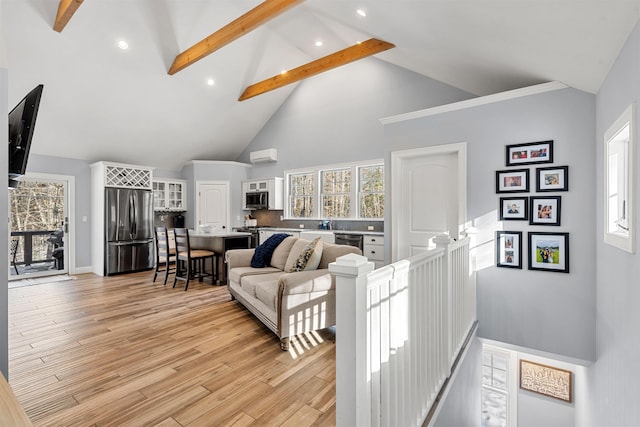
(271, 218)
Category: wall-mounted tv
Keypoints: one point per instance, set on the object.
(22, 121)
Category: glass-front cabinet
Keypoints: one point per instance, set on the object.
(169, 195)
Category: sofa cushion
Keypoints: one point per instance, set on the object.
(281, 253)
(263, 253)
(304, 255)
(267, 292)
(237, 273)
(251, 284)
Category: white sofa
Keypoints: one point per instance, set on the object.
(287, 303)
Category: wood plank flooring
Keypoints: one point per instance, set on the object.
(106, 351)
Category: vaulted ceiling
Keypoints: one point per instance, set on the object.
(105, 103)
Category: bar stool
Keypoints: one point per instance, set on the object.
(165, 255)
(190, 263)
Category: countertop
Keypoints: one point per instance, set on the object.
(316, 230)
(219, 234)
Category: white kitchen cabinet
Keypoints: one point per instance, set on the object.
(109, 174)
(274, 187)
(169, 195)
(373, 248)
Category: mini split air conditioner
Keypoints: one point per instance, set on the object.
(262, 156)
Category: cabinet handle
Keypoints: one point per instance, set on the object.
(373, 252)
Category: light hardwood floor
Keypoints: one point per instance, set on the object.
(124, 351)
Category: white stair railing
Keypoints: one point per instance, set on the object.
(399, 330)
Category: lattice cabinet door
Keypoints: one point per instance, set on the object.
(127, 177)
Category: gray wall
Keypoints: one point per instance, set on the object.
(334, 117)
(552, 312)
(613, 379)
(461, 407)
(80, 170)
(535, 410)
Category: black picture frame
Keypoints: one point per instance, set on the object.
(509, 249)
(549, 252)
(514, 208)
(512, 181)
(529, 153)
(552, 178)
(545, 210)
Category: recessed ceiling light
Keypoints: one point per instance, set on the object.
(361, 12)
(211, 82)
(123, 45)
(319, 43)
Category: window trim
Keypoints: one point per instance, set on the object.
(511, 386)
(620, 240)
(317, 197)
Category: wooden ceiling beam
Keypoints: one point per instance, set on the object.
(248, 22)
(66, 9)
(337, 59)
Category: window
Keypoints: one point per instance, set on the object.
(498, 382)
(619, 172)
(301, 190)
(371, 191)
(351, 191)
(336, 193)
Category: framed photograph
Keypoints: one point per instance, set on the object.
(512, 181)
(546, 380)
(530, 153)
(514, 208)
(544, 210)
(549, 252)
(552, 179)
(509, 249)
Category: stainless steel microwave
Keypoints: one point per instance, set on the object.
(257, 200)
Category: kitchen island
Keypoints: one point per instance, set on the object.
(220, 242)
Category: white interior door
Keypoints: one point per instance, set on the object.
(212, 205)
(428, 197)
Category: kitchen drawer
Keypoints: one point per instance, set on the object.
(373, 240)
(374, 252)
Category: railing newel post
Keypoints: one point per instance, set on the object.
(353, 397)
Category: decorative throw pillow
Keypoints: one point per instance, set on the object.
(263, 253)
(307, 259)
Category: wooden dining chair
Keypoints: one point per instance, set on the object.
(165, 254)
(190, 263)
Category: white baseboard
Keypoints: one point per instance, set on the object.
(82, 270)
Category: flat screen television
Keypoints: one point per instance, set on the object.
(22, 121)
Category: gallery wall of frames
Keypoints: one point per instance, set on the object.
(546, 250)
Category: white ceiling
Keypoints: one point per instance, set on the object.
(102, 103)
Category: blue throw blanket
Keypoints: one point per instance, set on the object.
(263, 253)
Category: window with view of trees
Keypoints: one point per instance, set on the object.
(352, 191)
(301, 190)
(336, 193)
(372, 191)
(36, 207)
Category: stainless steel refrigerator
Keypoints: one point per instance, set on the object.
(128, 230)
